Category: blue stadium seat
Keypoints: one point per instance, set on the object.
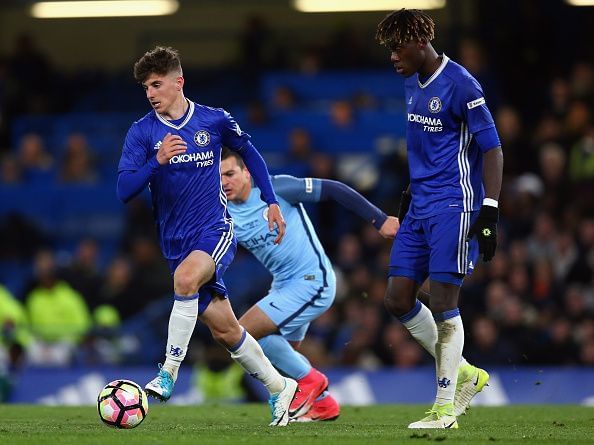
(335, 85)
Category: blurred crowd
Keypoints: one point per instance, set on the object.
(533, 304)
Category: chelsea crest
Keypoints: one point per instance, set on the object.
(202, 138)
(435, 104)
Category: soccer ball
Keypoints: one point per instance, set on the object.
(122, 404)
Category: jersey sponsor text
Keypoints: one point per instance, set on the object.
(201, 158)
(430, 124)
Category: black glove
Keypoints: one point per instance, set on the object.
(485, 229)
(405, 200)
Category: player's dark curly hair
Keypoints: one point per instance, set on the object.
(400, 27)
(161, 60)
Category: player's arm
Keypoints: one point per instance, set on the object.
(239, 141)
(132, 181)
(297, 190)
(474, 111)
(485, 226)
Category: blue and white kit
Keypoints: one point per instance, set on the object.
(189, 204)
(449, 127)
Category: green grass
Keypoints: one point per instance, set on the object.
(247, 424)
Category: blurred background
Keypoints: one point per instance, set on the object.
(85, 293)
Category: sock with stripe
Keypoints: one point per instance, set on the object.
(248, 353)
(421, 325)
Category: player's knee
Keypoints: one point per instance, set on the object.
(391, 304)
(186, 283)
(396, 303)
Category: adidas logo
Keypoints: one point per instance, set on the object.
(157, 145)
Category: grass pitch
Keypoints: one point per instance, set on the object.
(247, 424)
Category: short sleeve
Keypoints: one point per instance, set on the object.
(134, 150)
(231, 133)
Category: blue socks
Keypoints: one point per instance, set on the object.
(284, 358)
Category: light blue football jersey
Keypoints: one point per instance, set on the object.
(300, 255)
(187, 193)
(445, 162)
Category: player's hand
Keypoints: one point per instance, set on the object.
(485, 229)
(405, 200)
(390, 227)
(275, 218)
(171, 146)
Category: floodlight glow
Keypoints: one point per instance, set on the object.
(580, 2)
(103, 8)
(369, 5)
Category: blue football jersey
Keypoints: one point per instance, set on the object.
(300, 255)
(187, 193)
(445, 162)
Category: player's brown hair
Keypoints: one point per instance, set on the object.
(161, 60)
(400, 27)
(227, 153)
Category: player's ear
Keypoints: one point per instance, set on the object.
(180, 83)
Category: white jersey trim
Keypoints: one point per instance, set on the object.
(185, 121)
(227, 237)
(223, 245)
(463, 243)
(435, 74)
(464, 168)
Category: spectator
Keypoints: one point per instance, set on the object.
(36, 162)
(577, 121)
(518, 157)
(487, 347)
(117, 289)
(587, 353)
(581, 166)
(560, 97)
(342, 115)
(78, 164)
(257, 114)
(59, 315)
(10, 170)
(299, 153)
(150, 275)
(541, 243)
(565, 255)
(582, 82)
(14, 329)
(83, 272)
(560, 348)
(553, 161)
